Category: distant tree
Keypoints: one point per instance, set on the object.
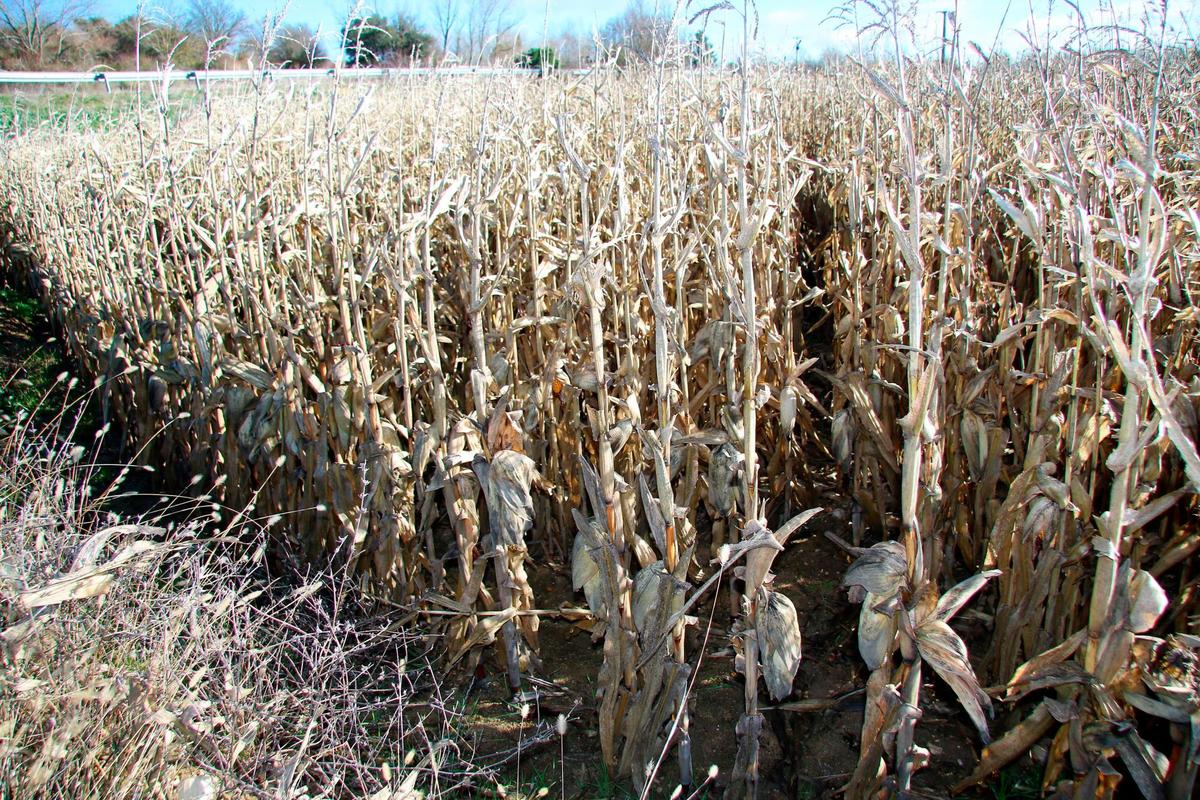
(94, 42)
(412, 43)
(217, 24)
(364, 39)
(270, 42)
(125, 35)
(152, 43)
(490, 31)
(295, 47)
(377, 40)
(637, 31)
(539, 58)
(37, 33)
(505, 47)
(574, 50)
(446, 16)
(701, 51)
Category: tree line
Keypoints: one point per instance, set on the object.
(48, 35)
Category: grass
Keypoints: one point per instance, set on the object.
(79, 108)
(808, 790)
(537, 783)
(1017, 782)
(140, 628)
(36, 385)
(137, 655)
(31, 366)
(603, 787)
(20, 305)
(24, 391)
(717, 681)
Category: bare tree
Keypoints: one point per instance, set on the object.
(217, 23)
(295, 46)
(574, 50)
(158, 40)
(638, 30)
(489, 22)
(272, 42)
(37, 32)
(446, 16)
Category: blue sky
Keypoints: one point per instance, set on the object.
(783, 23)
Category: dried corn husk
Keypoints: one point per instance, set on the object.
(1149, 601)
(510, 504)
(842, 434)
(787, 409)
(876, 630)
(974, 442)
(585, 572)
(880, 569)
(778, 630)
(646, 591)
(723, 470)
(943, 650)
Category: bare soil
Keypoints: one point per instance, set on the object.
(804, 754)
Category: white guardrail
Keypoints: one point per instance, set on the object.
(200, 75)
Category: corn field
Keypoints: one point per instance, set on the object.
(652, 323)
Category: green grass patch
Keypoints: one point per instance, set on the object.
(82, 109)
(1017, 782)
(25, 390)
(19, 306)
(30, 366)
(603, 787)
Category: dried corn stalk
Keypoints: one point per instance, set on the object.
(995, 268)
